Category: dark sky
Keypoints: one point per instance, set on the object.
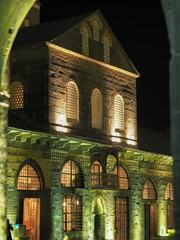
(140, 28)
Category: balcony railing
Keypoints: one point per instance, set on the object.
(104, 180)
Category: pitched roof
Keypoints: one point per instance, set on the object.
(50, 31)
(47, 31)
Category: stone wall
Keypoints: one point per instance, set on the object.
(65, 67)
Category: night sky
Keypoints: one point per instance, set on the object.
(140, 28)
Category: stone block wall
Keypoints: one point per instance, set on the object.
(65, 67)
(29, 65)
(50, 156)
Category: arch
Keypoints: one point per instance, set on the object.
(106, 43)
(71, 175)
(96, 174)
(16, 95)
(96, 31)
(123, 179)
(98, 205)
(149, 191)
(29, 176)
(85, 42)
(96, 109)
(169, 193)
(118, 113)
(72, 102)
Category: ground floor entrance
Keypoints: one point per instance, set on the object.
(31, 217)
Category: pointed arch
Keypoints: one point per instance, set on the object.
(96, 174)
(169, 193)
(71, 175)
(123, 179)
(96, 109)
(149, 191)
(29, 178)
(72, 102)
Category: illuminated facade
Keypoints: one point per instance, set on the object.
(74, 166)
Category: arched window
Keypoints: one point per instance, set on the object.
(149, 191)
(96, 174)
(29, 179)
(118, 113)
(123, 180)
(96, 109)
(71, 175)
(85, 42)
(96, 31)
(169, 194)
(72, 102)
(16, 95)
(106, 50)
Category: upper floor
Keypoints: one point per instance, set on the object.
(73, 77)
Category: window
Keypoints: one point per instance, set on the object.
(169, 195)
(121, 218)
(85, 42)
(72, 213)
(118, 113)
(16, 95)
(96, 31)
(96, 109)
(96, 174)
(123, 180)
(28, 179)
(170, 217)
(106, 50)
(149, 191)
(72, 102)
(71, 175)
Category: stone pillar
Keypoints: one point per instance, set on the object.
(12, 13)
(136, 210)
(172, 12)
(3, 151)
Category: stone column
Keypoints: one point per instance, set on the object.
(136, 210)
(12, 13)
(172, 12)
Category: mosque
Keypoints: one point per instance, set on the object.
(78, 166)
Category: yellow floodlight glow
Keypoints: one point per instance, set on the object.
(163, 231)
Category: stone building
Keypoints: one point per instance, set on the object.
(75, 170)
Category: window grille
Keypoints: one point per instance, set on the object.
(149, 191)
(169, 194)
(106, 50)
(123, 180)
(96, 31)
(170, 217)
(96, 109)
(118, 113)
(16, 95)
(72, 102)
(28, 179)
(72, 213)
(96, 174)
(71, 175)
(121, 218)
(85, 42)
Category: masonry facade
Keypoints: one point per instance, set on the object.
(74, 167)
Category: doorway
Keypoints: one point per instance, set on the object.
(31, 217)
(150, 221)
